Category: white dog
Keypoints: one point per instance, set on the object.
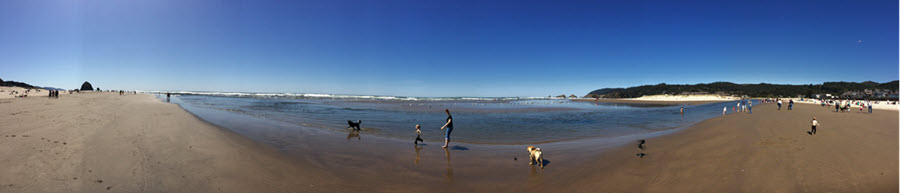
(535, 155)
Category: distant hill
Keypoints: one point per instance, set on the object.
(15, 84)
(52, 88)
(24, 85)
(754, 90)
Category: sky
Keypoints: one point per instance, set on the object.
(439, 48)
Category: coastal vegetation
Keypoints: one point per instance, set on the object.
(866, 89)
(16, 84)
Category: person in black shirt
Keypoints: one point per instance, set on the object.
(449, 127)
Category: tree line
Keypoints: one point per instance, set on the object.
(752, 90)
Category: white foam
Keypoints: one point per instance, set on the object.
(344, 96)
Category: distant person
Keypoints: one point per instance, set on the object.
(779, 104)
(814, 125)
(418, 136)
(682, 110)
(449, 127)
(743, 105)
(870, 106)
(791, 104)
(724, 109)
(750, 106)
(837, 106)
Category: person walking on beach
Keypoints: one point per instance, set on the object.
(750, 106)
(779, 104)
(791, 104)
(870, 106)
(418, 136)
(814, 124)
(449, 127)
(724, 109)
(837, 105)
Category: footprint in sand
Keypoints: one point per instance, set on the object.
(99, 181)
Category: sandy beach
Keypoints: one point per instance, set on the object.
(13, 92)
(103, 142)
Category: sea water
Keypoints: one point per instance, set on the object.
(475, 120)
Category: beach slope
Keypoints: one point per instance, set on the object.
(767, 151)
(104, 142)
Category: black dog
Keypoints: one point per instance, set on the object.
(641, 144)
(641, 147)
(354, 125)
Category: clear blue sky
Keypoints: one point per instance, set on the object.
(443, 48)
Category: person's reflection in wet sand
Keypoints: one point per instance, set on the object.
(449, 167)
(418, 148)
(352, 134)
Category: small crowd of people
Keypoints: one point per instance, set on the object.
(743, 105)
(790, 104)
(53, 94)
(448, 126)
(23, 94)
(842, 105)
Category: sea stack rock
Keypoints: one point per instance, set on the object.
(86, 86)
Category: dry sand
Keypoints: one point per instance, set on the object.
(103, 142)
(767, 151)
(7, 92)
(138, 144)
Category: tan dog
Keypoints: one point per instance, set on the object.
(535, 155)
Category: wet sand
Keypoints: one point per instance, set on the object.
(103, 142)
(767, 151)
(138, 144)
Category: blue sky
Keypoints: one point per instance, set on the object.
(443, 48)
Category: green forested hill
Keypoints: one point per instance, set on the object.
(754, 90)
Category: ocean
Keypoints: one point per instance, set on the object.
(477, 120)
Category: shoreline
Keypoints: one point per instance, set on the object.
(665, 102)
(104, 142)
(326, 161)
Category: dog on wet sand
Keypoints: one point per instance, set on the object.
(354, 125)
(535, 155)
